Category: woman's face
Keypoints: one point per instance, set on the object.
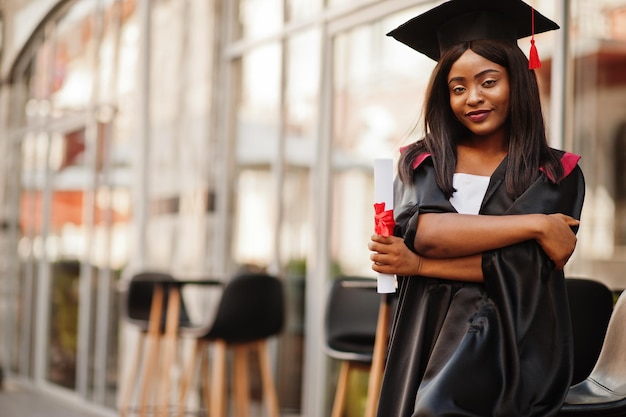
(479, 94)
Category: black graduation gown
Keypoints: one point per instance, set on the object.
(498, 348)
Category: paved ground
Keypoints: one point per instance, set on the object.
(20, 401)
(16, 401)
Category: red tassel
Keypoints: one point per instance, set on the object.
(533, 61)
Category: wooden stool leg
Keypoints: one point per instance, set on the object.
(269, 388)
(129, 386)
(378, 359)
(342, 387)
(241, 380)
(206, 386)
(171, 326)
(187, 378)
(152, 340)
(218, 386)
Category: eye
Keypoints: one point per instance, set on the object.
(458, 90)
(489, 83)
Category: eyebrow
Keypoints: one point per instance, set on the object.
(479, 75)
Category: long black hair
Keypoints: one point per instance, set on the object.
(527, 145)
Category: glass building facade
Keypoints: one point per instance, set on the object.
(201, 137)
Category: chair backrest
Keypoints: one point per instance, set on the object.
(610, 369)
(352, 310)
(139, 300)
(603, 392)
(252, 307)
(591, 305)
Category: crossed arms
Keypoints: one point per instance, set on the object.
(450, 245)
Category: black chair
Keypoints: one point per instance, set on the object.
(250, 311)
(352, 314)
(136, 308)
(603, 392)
(591, 304)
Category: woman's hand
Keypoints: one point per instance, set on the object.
(557, 239)
(392, 256)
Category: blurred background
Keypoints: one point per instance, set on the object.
(200, 137)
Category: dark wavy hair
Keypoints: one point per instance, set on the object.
(527, 145)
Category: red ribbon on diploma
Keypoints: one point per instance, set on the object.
(383, 220)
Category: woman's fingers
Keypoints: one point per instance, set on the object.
(390, 255)
(559, 241)
(569, 220)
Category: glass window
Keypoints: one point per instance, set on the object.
(256, 18)
(300, 135)
(302, 87)
(74, 202)
(298, 9)
(39, 79)
(71, 83)
(110, 13)
(339, 3)
(598, 49)
(257, 149)
(378, 93)
(254, 214)
(180, 135)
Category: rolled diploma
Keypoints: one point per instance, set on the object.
(383, 193)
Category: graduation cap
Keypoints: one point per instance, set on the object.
(458, 21)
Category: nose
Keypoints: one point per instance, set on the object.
(475, 97)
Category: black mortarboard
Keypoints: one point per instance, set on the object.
(458, 21)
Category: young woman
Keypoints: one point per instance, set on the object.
(486, 214)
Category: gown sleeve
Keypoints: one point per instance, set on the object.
(424, 196)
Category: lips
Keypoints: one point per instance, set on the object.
(478, 115)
